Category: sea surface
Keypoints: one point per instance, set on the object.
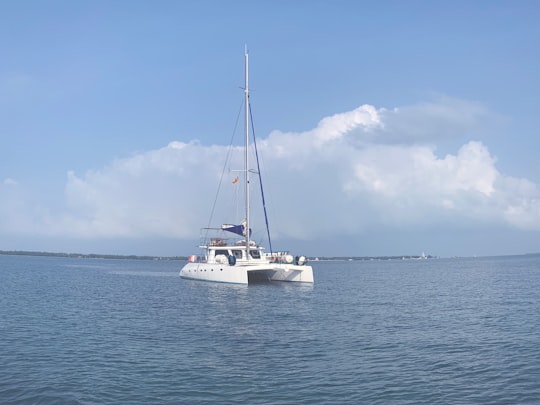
(436, 331)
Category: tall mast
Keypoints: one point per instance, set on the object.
(246, 154)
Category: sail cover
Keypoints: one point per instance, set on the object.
(237, 229)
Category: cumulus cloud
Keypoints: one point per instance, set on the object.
(432, 122)
(364, 169)
(162, 192)
(9, 182)
(19, 213)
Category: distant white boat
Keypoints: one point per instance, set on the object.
(241, 260)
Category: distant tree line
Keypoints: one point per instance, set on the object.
(401, 257)
(135, 257)
(87, 256)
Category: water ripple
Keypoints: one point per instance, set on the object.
(423, 332)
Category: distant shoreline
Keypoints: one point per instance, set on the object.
(87, 256)
(135, 257)
(147, 257)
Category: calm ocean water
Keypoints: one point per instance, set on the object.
(441, 331)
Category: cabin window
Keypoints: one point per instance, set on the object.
(237, 254)
(255, 254)
(222, 252)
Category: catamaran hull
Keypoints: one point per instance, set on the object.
(244, 274)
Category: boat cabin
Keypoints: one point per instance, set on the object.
(220, 251)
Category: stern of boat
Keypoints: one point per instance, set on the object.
(289, 273)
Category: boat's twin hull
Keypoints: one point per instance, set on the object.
(239, 274)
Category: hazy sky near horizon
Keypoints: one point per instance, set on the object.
(385, 128)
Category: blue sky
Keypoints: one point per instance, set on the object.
(386, 128)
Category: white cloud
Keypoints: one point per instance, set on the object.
(10, 182)
(19, 213)
(395, 171)
(431, 122)
(358, 170)
(149, 194)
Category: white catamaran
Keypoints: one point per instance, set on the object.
(242, 260)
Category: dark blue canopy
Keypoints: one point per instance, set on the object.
(237, 229)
